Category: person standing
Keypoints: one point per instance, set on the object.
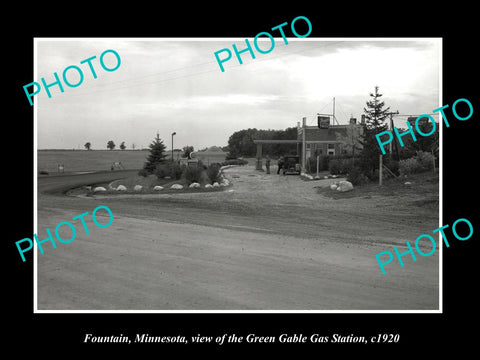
(267, 164)
(279, 164)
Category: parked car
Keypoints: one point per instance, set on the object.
(291, 164)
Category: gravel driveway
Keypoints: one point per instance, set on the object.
(267, 242)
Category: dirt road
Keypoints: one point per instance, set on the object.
(268, 242)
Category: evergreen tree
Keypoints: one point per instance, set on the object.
(375, 114)
(375, 120)
(157, 155)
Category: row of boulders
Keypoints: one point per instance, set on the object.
(139, 188)
(342, 186)
(306, 176)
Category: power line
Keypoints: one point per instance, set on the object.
(341, 109)
(325, 106)
(151, 75)
(414, 115)
(143, 84)
(105, 89)
(312, 121)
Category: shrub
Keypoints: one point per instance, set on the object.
(346, 165)
(143, 172)
(193, 173)
(312, 165)
(356, 177)
(213, 172)
(409, 166)
(334, 167)
(234, 162)
(324, 162)
(174, 170)
(425, 159)
(340, 166)
(162, 170)
(392, 165)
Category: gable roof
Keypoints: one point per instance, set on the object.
(332, 134)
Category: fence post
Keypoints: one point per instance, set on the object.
(380, 171)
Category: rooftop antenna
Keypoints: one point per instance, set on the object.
(333, 110)
(334, 118)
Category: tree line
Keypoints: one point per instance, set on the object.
(240, 143)
(110, 145)
(364, 158)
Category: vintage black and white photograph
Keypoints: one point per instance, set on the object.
(232, 175)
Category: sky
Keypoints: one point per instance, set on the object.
(175, 85)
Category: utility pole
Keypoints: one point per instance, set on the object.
(333, 114)
(304, 147)
(391, 130)
(380, 170)
(333, 111)
(174, 133)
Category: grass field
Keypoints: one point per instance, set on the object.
(93, 160)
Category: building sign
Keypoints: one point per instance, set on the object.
(323, 122)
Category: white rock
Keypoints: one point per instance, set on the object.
(226, 182)
(408, 183)
(99, 189)
(194, 185)
(208, 186)
(334, 176)
(176, 187)
(333, 186)
(121, 188)
(325, 177)
(158, 188)
(216, 184)
(344, 186)
(138, 187)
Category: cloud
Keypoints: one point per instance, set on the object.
(177, 84)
